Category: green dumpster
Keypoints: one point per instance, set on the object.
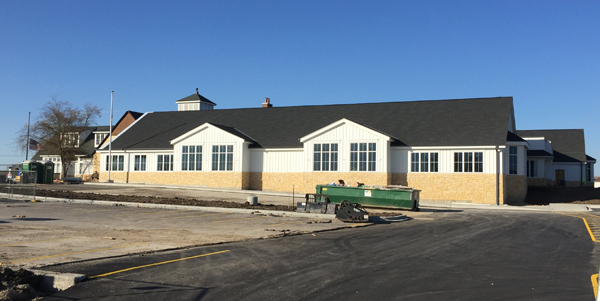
(32, 172)
(392, 197)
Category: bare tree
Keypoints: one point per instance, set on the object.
(57, 129)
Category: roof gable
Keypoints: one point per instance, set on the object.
(207, 125)
(342, 122)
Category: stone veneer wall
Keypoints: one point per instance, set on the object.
(516, 188)
(305, 182)
(455, 187)
(216, 179)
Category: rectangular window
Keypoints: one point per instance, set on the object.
(191, 157)
(468, 162)
(424, 162)
(99, 137)
(70, 140)
(512, 160)
(458, 162)
(325, 157)
(139, 163)
(414, 162)
(117, 162)
(164, 162)
(433, 162)
(222, 157)
(531, 169)
(478, 164)
(363, 156)
(588, 172)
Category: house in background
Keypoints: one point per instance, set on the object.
(86, 142)
(558, 157)
(463, 150)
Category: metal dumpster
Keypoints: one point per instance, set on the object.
(392, 197)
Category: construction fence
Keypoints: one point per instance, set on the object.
(18, 184)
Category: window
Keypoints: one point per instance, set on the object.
(588, 172)
(191, 157)
(139, 163)
(363, 156)
(325, 157)
(70, 140)
(164, 162)
(468, 162)
(424, 162)
(117, 162)
(478, 162)
(222, 157)
(532, 169)
(512, 160)
(458, 162)
(99, 137)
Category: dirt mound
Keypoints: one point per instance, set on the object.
(19, 285)
(156, 200)
(554, 194)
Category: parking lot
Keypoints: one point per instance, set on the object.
(35, 234)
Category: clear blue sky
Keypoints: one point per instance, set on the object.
(546, 54)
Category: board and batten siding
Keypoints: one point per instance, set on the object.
(207, 137)
(344, 134)
(401, 158)
(277, 160)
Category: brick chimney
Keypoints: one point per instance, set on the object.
(267, 103)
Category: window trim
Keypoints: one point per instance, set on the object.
(161, 162)
(513, 164)
(431, 164)
(467, 162)
(224, 157)
(363, 159)
(331, 164)
(139, 162)
(192, 161)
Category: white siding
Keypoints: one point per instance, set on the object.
(574, 172)
(400, 159)
(445, 158)
(279, 160)
(521, 162)
(207, 137)
(343, 135)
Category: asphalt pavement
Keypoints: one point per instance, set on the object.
(466, 255)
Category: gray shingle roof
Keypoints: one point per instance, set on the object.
(568, 145)
(459, 122)
(195, 97)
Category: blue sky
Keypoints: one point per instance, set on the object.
(546, 54)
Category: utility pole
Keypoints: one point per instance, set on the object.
(27, 143)
(110, 138)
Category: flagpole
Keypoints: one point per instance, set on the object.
(27, 143)
(110, 137)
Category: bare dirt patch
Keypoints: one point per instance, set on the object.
(157, 200)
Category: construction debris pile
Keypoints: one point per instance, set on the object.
(19, 285)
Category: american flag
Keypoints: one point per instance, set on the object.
(34, 145)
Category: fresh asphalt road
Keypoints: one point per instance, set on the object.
(468, 255)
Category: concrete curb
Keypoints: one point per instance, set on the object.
(54, 281)
(554, 207)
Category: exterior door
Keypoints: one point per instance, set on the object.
(559, 176)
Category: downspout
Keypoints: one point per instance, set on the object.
(497, 176)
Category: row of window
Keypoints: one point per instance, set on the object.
(362, 157)
(463, 162)
(191, 159)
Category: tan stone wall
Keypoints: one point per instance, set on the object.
(96, 162)
(537, 182)
(516, 188)
(232, 180)
(454, 187)
(306, 182)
